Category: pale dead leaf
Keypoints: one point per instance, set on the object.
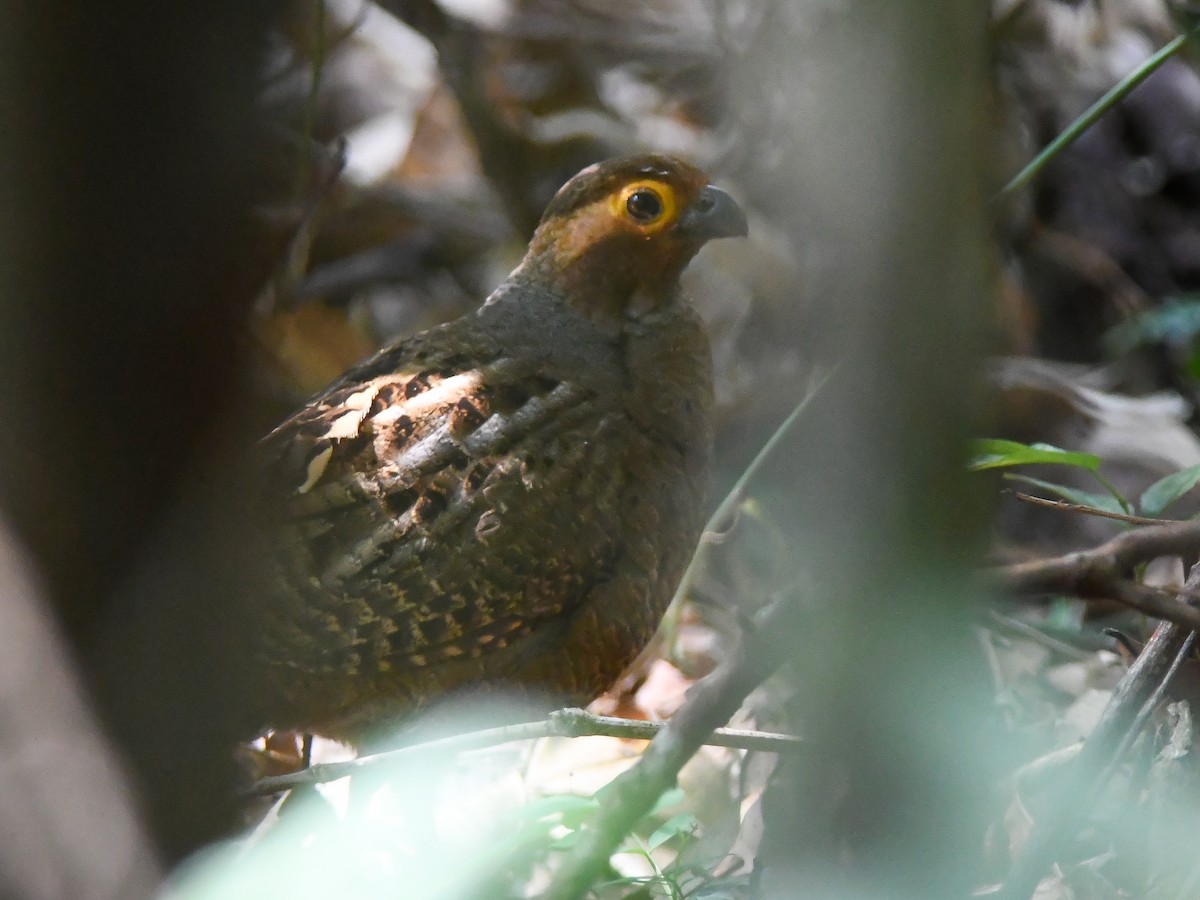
(662, 693)
(1053, 888)
(579, 765)
(1101, 671)
(1164, 572)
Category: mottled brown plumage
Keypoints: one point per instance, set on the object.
(508, 500)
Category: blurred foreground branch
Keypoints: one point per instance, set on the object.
(1140, 691)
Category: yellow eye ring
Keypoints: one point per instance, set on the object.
(648, 205)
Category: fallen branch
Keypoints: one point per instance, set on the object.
(1114, 558)
(1102, 573)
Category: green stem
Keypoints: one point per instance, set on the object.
(310, 104)
(1095, 111)
(1111, 488)
(724, 512)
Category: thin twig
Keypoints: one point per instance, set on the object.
(1064, 506)
(1032, 633)
(295, 257)
(562, 723)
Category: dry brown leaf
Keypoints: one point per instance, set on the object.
(441, 148)
(310, 346)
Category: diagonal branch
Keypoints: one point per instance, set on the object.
(710, 703)
(1086, 510)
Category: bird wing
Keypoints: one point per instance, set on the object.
(430, 506)
(326, 436)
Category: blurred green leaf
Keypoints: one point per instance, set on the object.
(681, 823)
(1065, 614)
(567, 841)
(996, 454)
(1167, 490)
(669, 798)
(555, 805)
(1176, 322)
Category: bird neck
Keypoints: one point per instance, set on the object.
(605, 287)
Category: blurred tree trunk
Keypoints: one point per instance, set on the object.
(68, 827)
(872, 150)
(125, 213)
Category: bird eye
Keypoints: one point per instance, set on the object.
(644, 205)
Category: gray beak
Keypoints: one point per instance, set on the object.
(713, 214)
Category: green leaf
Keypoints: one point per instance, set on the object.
(567, 841)
(1105, 502)
(574, 818)
(681, 823)
(1167, 490)
(996, 454)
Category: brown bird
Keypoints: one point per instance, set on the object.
(507, 501)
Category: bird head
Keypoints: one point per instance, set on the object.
(617, 236)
